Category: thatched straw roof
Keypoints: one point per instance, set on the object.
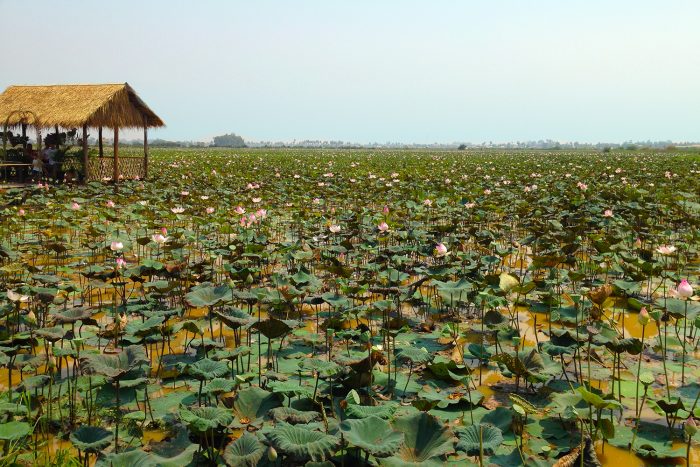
(75, 105)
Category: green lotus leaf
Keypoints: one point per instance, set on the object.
(219, 386)
(133, 458)
(301, 443)
(293, 416)
(14, 430)
(234, 317)
(207, 295)
(91, 439)
(202, 419)
(427, 440)
(138, 328)
(373, 435)
(414, 355)
(481, 438)
(272, 328)
(245, 451)
(323, 367)
(206, 369)
(115, 366)
(254, 403)
(52, 334)
(291, 388)
(353, 409)
(72, 315)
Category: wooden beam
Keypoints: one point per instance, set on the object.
(145, 152)
(24, 135)
(99, 140)
(86, 165)
(116, 156)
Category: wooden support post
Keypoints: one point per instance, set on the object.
(145, 152)
(38, 139)
(86, 165)
(99, 140)
(116, 155)
(24, 136)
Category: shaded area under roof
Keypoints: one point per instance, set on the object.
(75, 105)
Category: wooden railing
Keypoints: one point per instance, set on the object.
(130, 167)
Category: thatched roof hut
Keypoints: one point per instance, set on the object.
(75, 105)
(112, 106)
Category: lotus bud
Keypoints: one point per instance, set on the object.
(643, 316)
(685, 290)
(272, 454)
(690, 427)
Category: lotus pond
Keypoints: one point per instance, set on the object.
(394, 308)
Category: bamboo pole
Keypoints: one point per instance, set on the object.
(116, 155)
(99, 140)
(86, 170)
(145, 151)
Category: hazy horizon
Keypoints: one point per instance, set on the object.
(362, 71)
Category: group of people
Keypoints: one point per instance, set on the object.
(45, 166)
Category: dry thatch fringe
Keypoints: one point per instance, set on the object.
(75, 105)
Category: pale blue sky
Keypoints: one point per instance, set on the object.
(378, 70)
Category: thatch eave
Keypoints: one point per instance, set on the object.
(72, 106)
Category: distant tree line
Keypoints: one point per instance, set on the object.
(230, 140)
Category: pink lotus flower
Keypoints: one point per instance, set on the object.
(21, 212)
(210, 210)
(121, 263)
(487, 192)
(261, 213)
(257, 200)
(334, 228)
(440, 250)
(643, 316)
(383, 227)
(427, 202)
(666, 249)
(239, 210)
(608, 213)
(178, 210)
(386, 210)
(116, 246)
(110, 204)
(638, 243)
(582, 186)
(75, 206)
(685, 290)
(159, 239)
(184, 193)
(164, 231)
